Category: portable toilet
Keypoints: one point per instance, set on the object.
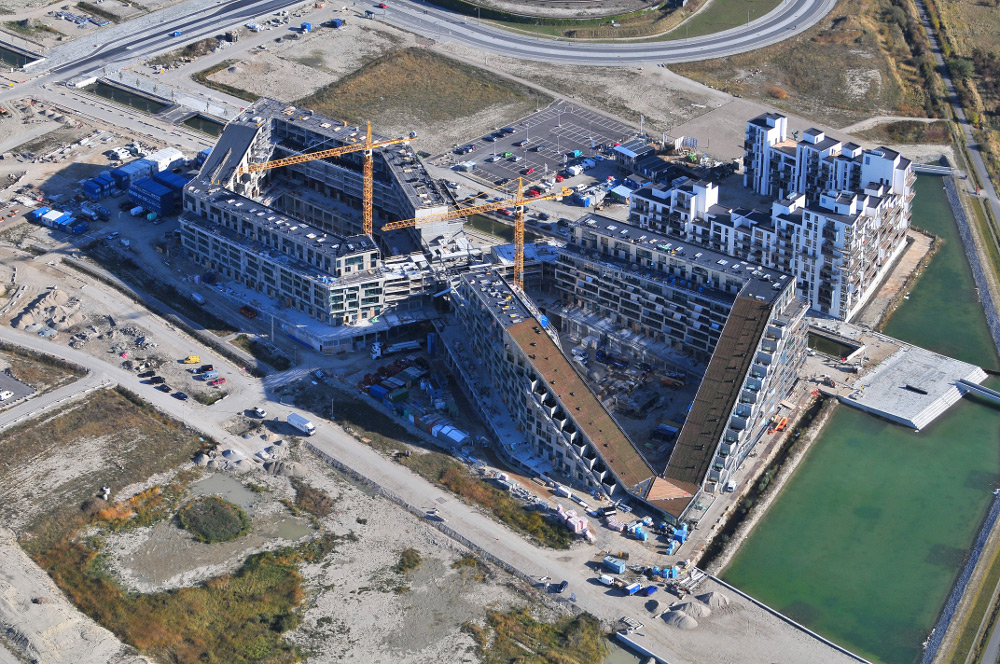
(306, 27)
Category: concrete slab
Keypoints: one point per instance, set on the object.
(900, 382)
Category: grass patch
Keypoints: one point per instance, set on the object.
(453, 476)
(96, 10)
(188, 52)
(212, 519)
(143, 509)
(263, 352)
(31, 28)
(417, 83)
(910, 131)
(471, 567)
(236, 618)
(135, 439)
(209, 398)
(314, 501)
(409, 559)
(966, 642)
(204, 75)
(42, 372)
(517, 636)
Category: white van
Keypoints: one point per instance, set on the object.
(6, 394)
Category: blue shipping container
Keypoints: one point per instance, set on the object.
(378, 392)
(153, 196)
(171, 180)
(79, 227)
(37, 213)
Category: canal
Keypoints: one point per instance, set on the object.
(204, 124)
(137, 101)
(12, 58)
(868, 536)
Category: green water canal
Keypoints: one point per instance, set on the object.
(866, 539)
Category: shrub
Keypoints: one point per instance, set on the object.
(776, 92)
(408, 559)
(212, 519)
(315, 501)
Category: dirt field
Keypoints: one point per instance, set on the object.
(855, 63)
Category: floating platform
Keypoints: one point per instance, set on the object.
(900, 382)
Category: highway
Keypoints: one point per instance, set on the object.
(790, 18)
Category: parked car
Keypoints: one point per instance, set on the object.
(164, 388)
(147, 374)
(180, 396)
(157, 380)
(539, 148)
(521, 144)
(217, 382)
(259, 412)
(205, 367)
(528, 171)
(6, 394)
(543, 216)
(248, 311)
(562, 586)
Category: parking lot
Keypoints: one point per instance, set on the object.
(549, 137)
(18, 389)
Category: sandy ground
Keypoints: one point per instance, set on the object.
(39, 621)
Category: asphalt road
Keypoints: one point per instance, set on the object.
(790, 18)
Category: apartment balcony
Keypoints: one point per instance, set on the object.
(759, 370)
(753, 384)
(748, 397)
(738, 423)
(731, 437)
(768, 346)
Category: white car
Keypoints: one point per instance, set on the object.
(6, 394)
(260, 412)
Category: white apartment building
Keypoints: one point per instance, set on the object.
(837, 223)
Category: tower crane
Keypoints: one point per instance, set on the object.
(517, 202)
(367, 179)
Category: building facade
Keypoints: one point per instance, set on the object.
(838, 221)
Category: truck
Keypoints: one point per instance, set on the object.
(612, 564)
(574, 170)
(606, 580)
(301, 423)
(191, 359)
(632, 588)
(573, 154)
(198, 297)
(137, 211)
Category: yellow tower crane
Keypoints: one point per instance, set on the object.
(517, 202)
(367, 180)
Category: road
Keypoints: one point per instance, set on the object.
(790, 18)
(988, 191)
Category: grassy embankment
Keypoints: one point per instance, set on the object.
(867, 57)
(423, 85)
(205, 78)
(262, 352)
(516, 636)
(42, 372)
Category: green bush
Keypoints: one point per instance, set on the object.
(212, 519)
(408, 559)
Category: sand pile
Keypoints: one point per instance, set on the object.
(714, 600)
(693, 609)
(680, 620)
(54, 309)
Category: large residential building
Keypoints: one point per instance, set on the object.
(294, 233)
(837, 222)
(743, 319)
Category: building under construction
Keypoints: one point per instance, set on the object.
(265, 212)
